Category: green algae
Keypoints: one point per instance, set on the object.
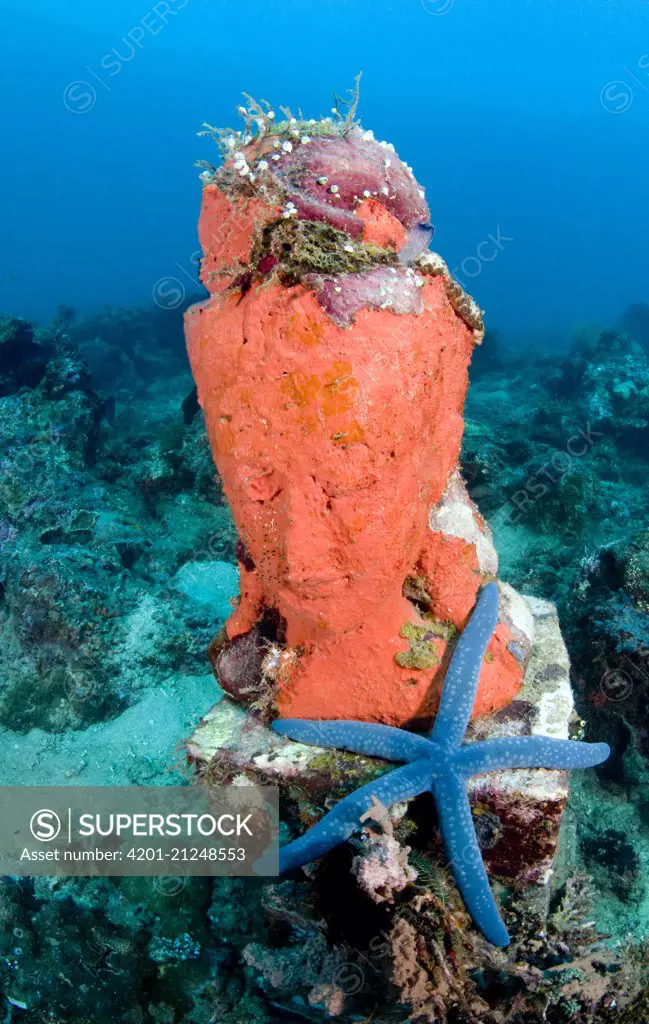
(445, 630)
(303, 247)
(346, 770)
(260, 122)
(415, 589)
(422, 653)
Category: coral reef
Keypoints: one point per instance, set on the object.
(562, 471)
(89, 516)
(72, 948)
(24, 354)
(635, 322)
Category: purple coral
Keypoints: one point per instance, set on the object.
(324, 171)
(328, 177)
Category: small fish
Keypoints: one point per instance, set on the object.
(190, 406)
(419, 238)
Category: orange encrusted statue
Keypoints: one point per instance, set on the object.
(331, 362)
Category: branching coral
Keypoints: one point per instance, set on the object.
(382, 867)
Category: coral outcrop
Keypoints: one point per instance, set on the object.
(93, 513)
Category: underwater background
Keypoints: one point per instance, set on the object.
(528, 117)
(526, 121)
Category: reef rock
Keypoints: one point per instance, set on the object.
(609, 605)
(24, 353)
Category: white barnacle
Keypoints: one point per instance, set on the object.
(287, 147)
(205, 175)
(385, 191)
(230, 142)
(293, 120)
(275, 156)
(368, 136)
(262, 165)
(271, 661)
(243, 111)
(271, 115)
(322, 180)
(334, 189)
(278, 663)
(348, 248)
(304, 139)
(338, 290)
(367, 193)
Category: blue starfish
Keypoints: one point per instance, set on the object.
(440, 764)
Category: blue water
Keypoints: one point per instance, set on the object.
(526, 121)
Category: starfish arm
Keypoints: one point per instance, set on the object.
(463, 852)
(359, 737)
(527, 752)
(461, 681)
(338, 825)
